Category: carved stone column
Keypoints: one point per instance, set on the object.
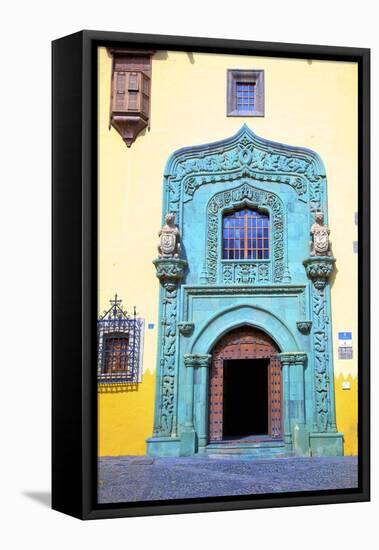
(293, 365)
(170, 272)
(319, 269)
(189, 437)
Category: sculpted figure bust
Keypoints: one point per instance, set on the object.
(320, 244)
(169, 238)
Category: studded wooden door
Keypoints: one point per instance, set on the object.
(245, 343)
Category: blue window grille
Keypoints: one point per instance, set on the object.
(245, 96)
(246, 235)
(120, 339)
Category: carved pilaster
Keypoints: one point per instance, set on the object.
(319, 269)
(188, 434)
(170, 272)
(293, 364)
(295, 432)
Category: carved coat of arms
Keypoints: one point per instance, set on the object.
(320, 244)
(169, 237)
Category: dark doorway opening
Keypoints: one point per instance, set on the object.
(245, 398)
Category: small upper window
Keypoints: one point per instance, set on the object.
(246, 235)
(245, 96)
(245, 93)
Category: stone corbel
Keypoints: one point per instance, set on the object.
(319, 269)
(304, 326)
(170, 271)
(186, 328)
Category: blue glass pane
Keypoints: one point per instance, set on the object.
(247, 231)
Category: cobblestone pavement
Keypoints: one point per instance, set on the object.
(131, 479)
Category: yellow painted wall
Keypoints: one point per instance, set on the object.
(347, 412)
(307, 103)
(125, 418)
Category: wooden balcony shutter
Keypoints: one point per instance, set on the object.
(145, 107)
(119, 95)
(130, 102)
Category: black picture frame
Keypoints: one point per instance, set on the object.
(74, 271)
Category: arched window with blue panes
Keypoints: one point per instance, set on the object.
(246, 235)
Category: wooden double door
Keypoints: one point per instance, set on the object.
(245, 389)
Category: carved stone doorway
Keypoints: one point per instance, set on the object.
(245, 390)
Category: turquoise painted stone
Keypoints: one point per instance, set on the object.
(203, 296)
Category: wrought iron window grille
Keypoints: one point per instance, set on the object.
(120, 341)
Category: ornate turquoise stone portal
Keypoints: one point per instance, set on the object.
(203, 296)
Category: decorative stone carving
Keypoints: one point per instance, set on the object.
(163, 425)
(293, 357)
(244, 273)
(197, 360)
(321, 357)
(319, 269)
(247, 156)
(320, 244)
(169, 238)
(304, 326)
(250, 290)
(186, 328)
(170, 271)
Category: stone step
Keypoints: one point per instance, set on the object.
(264, 449)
